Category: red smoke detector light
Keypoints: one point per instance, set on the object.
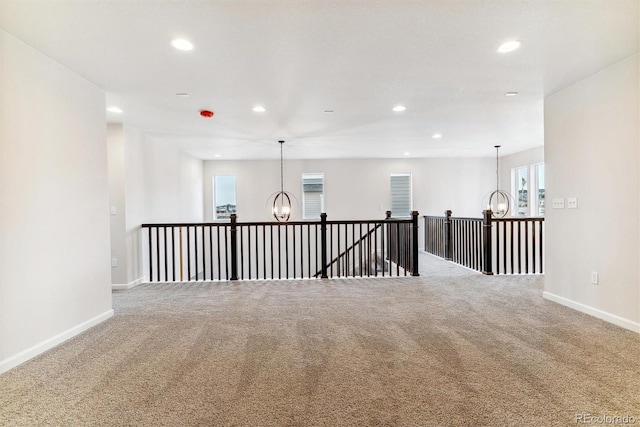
(206, 113)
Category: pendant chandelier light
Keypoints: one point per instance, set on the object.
(499, 201)
(281, 207)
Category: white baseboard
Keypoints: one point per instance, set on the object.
(119, 287)
(595, 312)
(48, 344)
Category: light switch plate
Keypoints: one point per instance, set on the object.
(558, 204)
(572, 203)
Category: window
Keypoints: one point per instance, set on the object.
(528, 202)
(312, 195)
(401, 202)
(538, 202)
(520, 185)
(224, 196)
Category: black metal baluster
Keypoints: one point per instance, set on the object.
(264, 251)
(218, 234)
(397, 237)
(504, 246)
(232, 248)
(519, 248)
(533, 247)
(226, 252)
(309, 248)
(188, 253)
(302, 248)
(337, 264)
(498, 248)
(279, 253)
(472, 243)
(375, 249)
(249, 252)
(204, 254)
(210, 252)
(256, 253)
(166, 267)
(195, 248)
(466, 243)
(286, 248)
(526, 247)
(463, 248)
(511, 247)
(173, 253)
(271, 240)
(323, 245)
(301, 234)
(241, 253)
(150, 254)
(383, 247)
(331, 230)
(353, 249)
(541, 230)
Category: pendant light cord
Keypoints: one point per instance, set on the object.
(497, 170)
(281, 168)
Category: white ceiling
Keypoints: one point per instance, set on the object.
(299, 58)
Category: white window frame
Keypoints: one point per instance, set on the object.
(391, 196)
(305, 214)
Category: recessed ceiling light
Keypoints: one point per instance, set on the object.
(511, 94)
(259, 109)
(216, 155)
(182, 44)
(182, 94)
(407, 153)
(399, 108)
(509, 46)
(114, 110)
(437, 136)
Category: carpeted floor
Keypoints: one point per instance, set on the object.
(449, 348)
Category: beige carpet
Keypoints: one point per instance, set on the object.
(449, 348)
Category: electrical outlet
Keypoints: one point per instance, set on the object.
(558, 204)
(572, 202)
(114, 262)
(114, 210)
(594, 277)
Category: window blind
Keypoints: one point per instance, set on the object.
(313, 195)
(401, 195)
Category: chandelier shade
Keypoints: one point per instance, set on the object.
(498, 202)
(281, 206)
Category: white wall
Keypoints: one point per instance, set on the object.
(358, 188)
(115, 149)
(150, 182)
(592, 141)
(173, 183)
(54, 204)
(134, 210)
